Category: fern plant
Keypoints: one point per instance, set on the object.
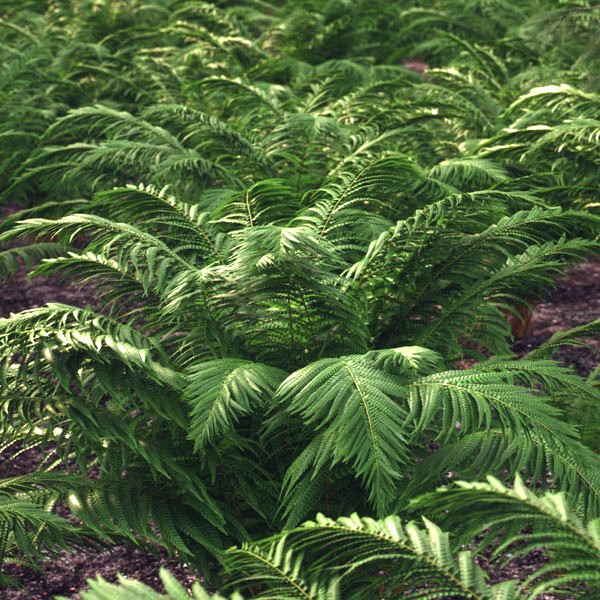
(276, 314)
(354, 557)
(394, 559)
(29, 528)
(264, 357)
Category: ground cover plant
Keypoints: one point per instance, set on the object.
(292, 241)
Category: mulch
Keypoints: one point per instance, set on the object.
(574, 301)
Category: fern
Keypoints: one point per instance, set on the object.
(358, 557)
(552, 524)
(356, 548)
(276, 312)
(220, 392)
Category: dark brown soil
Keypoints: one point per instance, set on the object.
(576, 300)
(66, 574)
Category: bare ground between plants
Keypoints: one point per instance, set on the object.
(574, 301)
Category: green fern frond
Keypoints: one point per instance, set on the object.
(574, 336)
(120, 143)
(12, 259)
(182, 226)
(220, 392)
(58, 328)
(266, 202)
(358, 398)
(29, 527)
(409, 560)
(535, 266)
(526, 521)
(246, 97)
(282, 570)
(333, 209)
(573, 466)
(471, 173)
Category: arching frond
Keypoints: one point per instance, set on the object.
(472, 173)
(526, 521)
(334, 210)
(122, 145)
(59, 328)
(407, 559)
(182, 226)
(575, 336)
(271, 201)
(282, 570)
(220, 392)
(535, 266)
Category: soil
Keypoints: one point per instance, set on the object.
(574, 301)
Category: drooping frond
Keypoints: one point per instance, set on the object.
(475, 272)
(184, 227)
(526, 521)
(59, 328)
(474, 400)
(12, 259)
(554, 127)
(271, 201)
(534, 268)
(385, 557)
(469, 173)
(122, 246)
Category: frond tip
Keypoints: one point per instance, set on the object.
(525, 521)
(221, 391)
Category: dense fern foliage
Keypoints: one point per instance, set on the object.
(291, 241)
(355, 557)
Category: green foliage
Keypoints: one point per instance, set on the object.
(354, 557)
(525, 521)
(276, 313)
(245, 324)
(371, 558)
(29, 528)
